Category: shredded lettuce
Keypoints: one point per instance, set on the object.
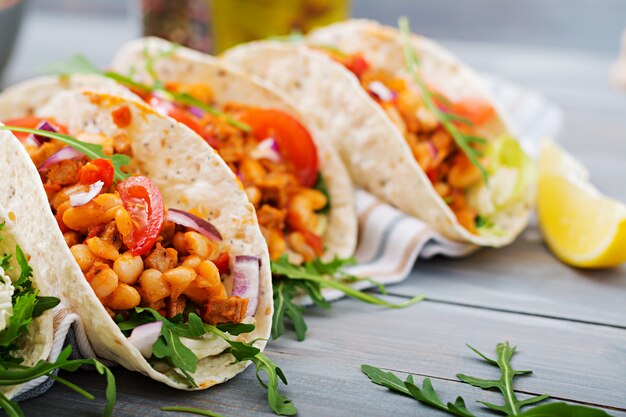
(511, 172)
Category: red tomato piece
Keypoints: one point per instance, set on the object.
(476, 110)
(222, 262)
(357, 65)
(31, 122)
(314, 241)
(122, 117)
(144, 203)
(97, 170)
(294, 141)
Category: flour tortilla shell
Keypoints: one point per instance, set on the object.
(372, 147)
(231, 86)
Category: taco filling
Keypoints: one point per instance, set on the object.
(274, 157)
(134, 251)
(456, 179)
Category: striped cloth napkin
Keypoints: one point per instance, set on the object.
(389, 243)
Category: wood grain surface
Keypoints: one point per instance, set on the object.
(569, 325)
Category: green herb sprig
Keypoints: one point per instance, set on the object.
(191, 410)
(28, 305)
(512, 405)
(91, 150)
(78, 64)
(448, 120)
(171, 349)
(21, 375)
(309, 278)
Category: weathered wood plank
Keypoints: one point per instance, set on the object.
(572, 361)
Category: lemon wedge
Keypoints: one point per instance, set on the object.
(582, 227)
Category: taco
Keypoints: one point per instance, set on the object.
(300, 189)
(26, 316)
(155, 244)
(392, 127)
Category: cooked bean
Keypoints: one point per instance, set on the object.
(298, 244)
(153, 286)
(123, 222)
(82, 217)
(251, 170)
(198, 244)
(275, 242)
(192, 261)
(196, 294)
(72, 238)
(83, 256)
(316, 198)
(463, 173)
(209, 279)
(178, 241)
(102, 248)
(179, 279)
(128, 268)
(102, 279)
(254, 195)
(108, 200)
(124, 297)
(300, 214)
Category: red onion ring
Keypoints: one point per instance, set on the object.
(194, 222)
(80, 199)
(145, 336)
(66, 153)
(246, 281)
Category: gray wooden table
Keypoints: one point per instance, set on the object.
(569, 325)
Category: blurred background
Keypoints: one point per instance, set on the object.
(55, 29)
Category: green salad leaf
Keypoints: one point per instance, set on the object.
(170, 349)
(512, 405)
(91, 150)
(309, 278)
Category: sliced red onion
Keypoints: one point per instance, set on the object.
(196, 112)
(433, 149)
(246, 281)
(145, 336)
(38, 140)
(266, 149)
(191, 220)
(381, 91)
(66, 153)
(80, 199)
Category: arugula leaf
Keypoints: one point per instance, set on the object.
(310, 278)
(25, 270)
(22, 375)
(78, 64)
(23, 306)
(192, 410)
(426, 394)
(512, 405)
(280, 404)
(91, 150)
(170, 348)
(462, 140)
(563, 410)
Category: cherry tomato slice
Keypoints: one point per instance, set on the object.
(144, 203)
(31, 122)
(295, 144)
(222, 262)
(476, 110)
(357, 65)
(97, 170)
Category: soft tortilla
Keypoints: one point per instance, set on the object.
(190, 175)
(17, 212)
(231, 86)
(374, 150)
